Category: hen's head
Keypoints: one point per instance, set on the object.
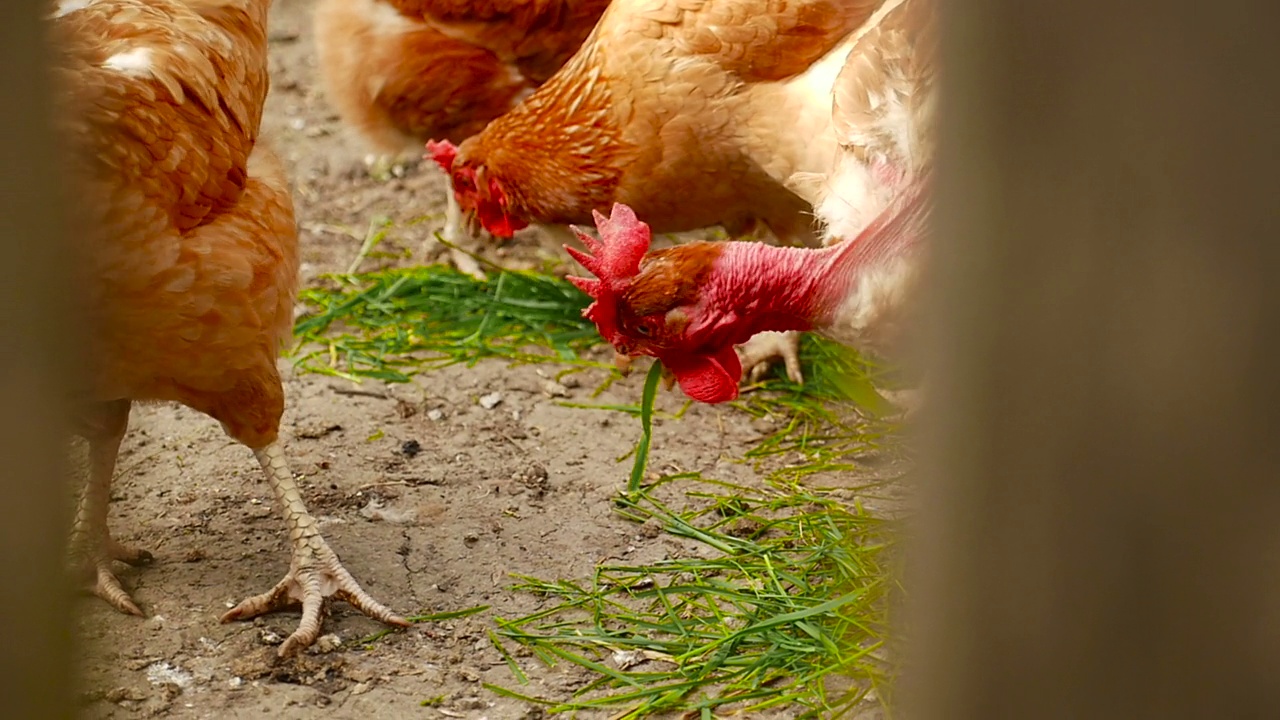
(661, 304)
(479, 194)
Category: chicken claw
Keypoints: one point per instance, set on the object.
(94, 551)
(315, 573)
(96, 564)
(758, 354)
(668, 378)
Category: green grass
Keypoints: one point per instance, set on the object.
(781, 600)
(393, 324)
(787, 591)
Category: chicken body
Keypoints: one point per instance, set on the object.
(401, 72)
(693, 113)
(882, 112)
(689, 305)
(189, 258)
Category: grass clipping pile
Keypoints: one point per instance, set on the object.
(791, 609)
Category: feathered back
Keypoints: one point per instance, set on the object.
(163, 99)
(884, 97)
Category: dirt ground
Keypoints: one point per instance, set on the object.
(431, 500)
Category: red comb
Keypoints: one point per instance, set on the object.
(614, 259)
(443, 152)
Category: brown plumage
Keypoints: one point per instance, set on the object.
(692, 112)
(189, 256)
(672, 277)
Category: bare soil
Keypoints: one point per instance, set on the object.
(431, 500)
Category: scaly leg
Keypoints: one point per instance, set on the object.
(762, 349)
(315, 573)
(92, 547)
(453, 231)
(457, 235)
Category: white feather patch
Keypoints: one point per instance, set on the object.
(66, 7)
(135, 62)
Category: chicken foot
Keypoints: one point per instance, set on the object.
(758, 354)
(92, 548)
(315, 573)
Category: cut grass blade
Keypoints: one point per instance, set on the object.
(433, 617)
(646, 425)
(764, 622)
(450, 615)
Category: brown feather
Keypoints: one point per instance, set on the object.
(402, 72)
(671, 278)
(689, 111)
(189, 252)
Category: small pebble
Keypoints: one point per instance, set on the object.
(490, 401)
(554, 389)
(328, 643)
(435, 415)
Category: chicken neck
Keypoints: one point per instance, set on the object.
(766, 287)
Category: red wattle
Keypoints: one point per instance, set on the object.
(707, 378)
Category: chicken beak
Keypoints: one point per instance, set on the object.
(668, 379)
(622, 362)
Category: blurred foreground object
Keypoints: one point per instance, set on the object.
(35, 619)
(1101, 533)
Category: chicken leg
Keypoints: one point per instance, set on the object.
(92, 547)
(758, 354)
(457, 233)
(315, 573)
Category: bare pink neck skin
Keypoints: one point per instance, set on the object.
(765, 287)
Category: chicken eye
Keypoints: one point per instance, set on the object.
(648, 327)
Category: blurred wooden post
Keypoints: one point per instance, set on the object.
(36, 626)
(1100, 535)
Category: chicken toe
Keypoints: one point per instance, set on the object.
(107, 586)
(760, 352)
(315, 573)
(93, 551)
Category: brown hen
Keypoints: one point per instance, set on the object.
(190, 258)
(401, 72)
(692, 112)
